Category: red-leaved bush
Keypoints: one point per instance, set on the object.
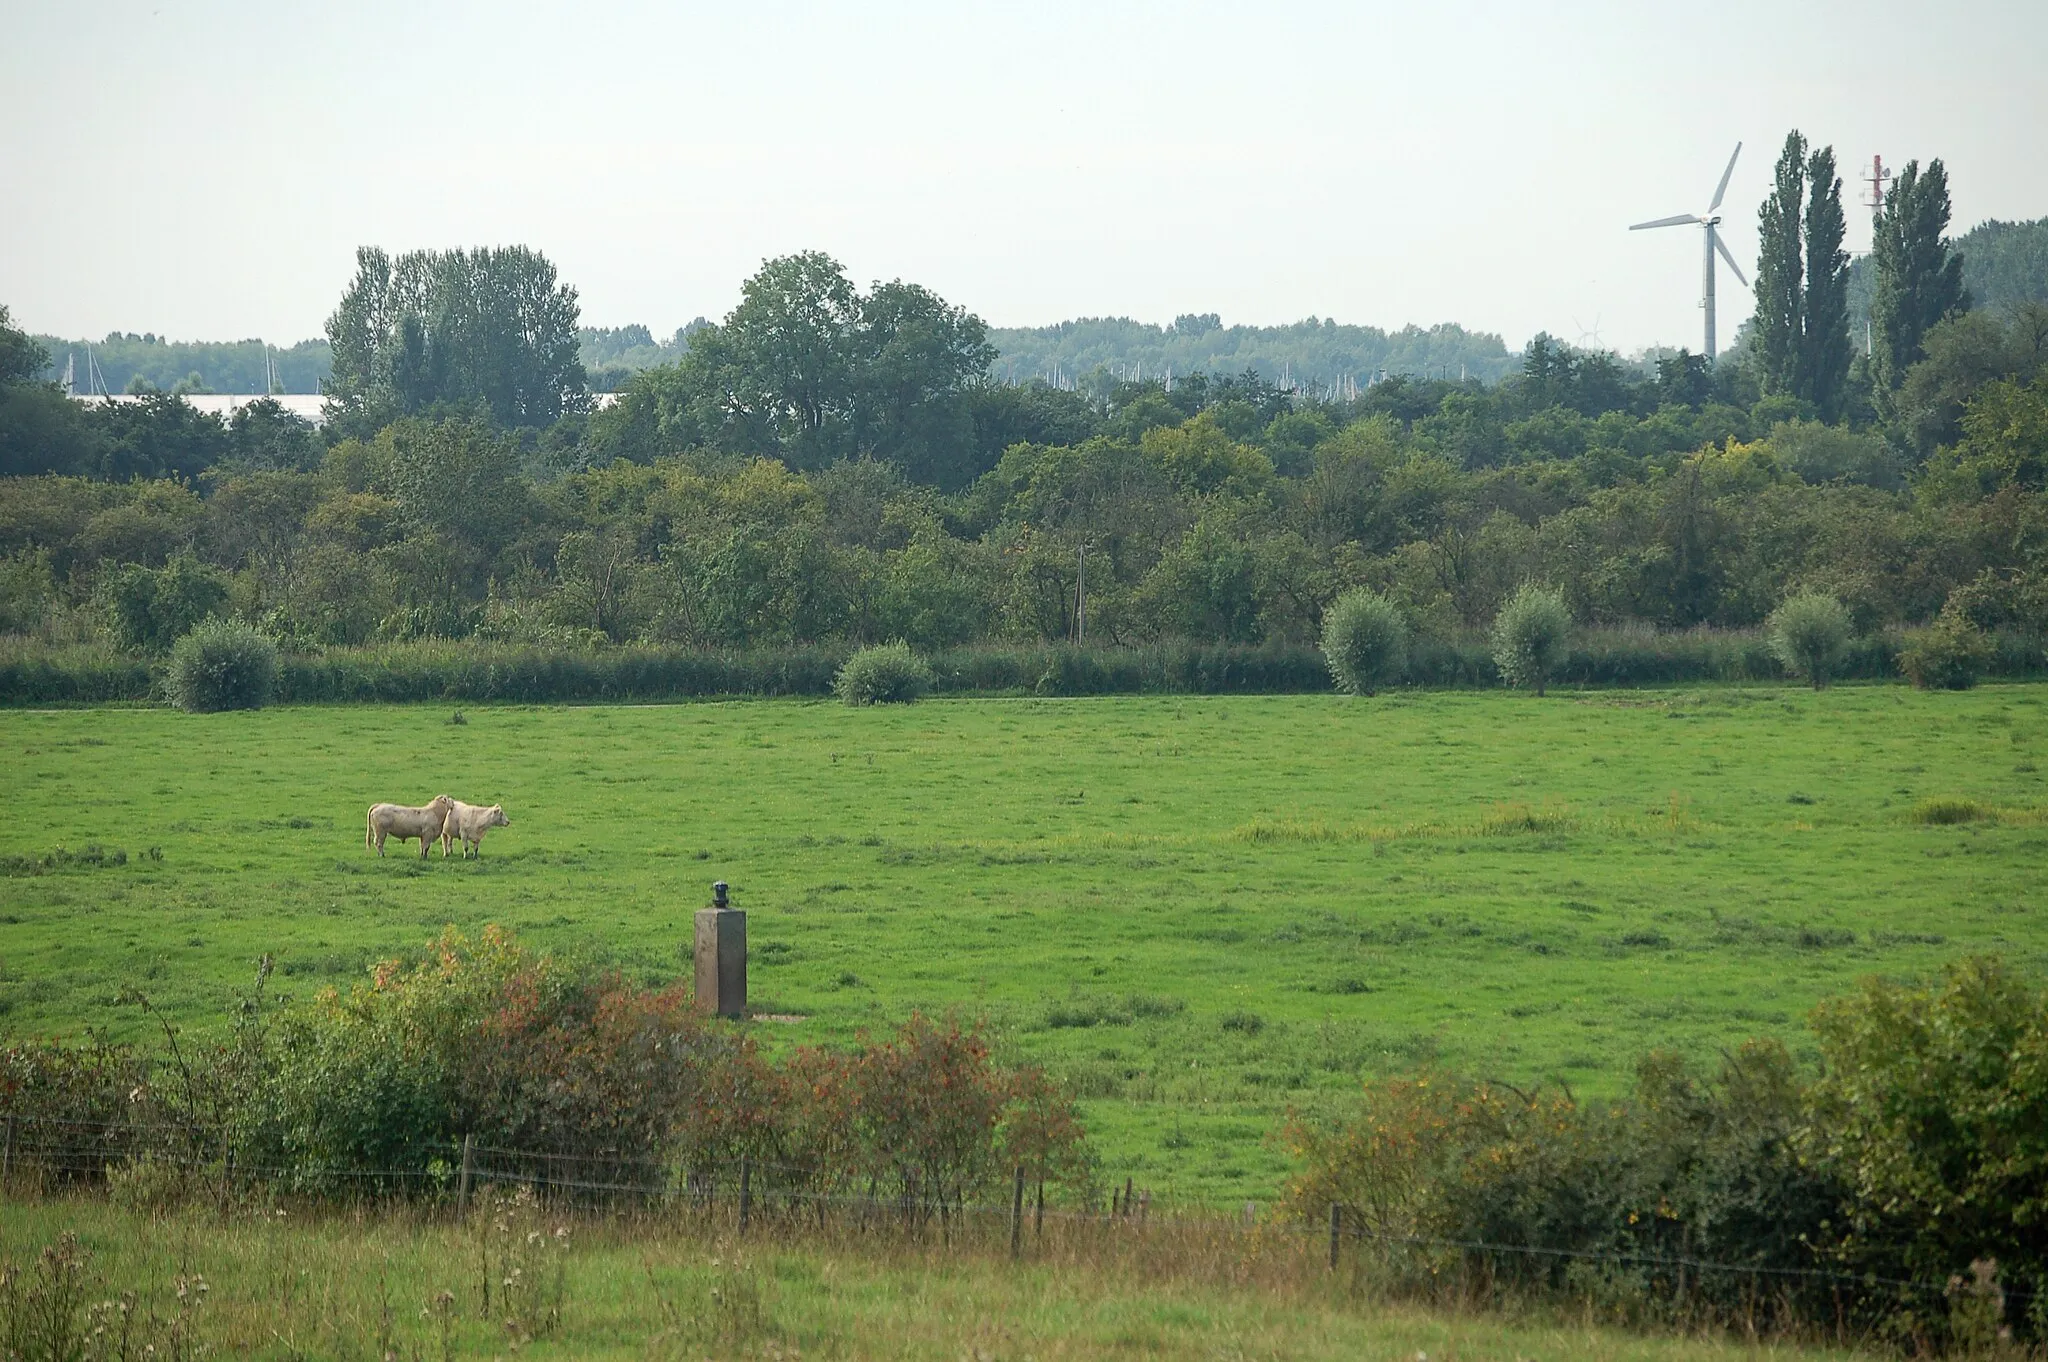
(574, 1076)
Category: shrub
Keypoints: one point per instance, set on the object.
(1934, 1103)
(1810, 634)
(885, 673)
(1365, 642)
(222, 664)
(1532, 636)
(1950, 655)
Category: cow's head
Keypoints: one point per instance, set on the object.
(498, 818)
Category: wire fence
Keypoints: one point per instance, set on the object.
(743, 1193)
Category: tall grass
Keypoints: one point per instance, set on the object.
(289, 1281)
(36, 673)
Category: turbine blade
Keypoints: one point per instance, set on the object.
(1722, 188)
(1666, 222)
(1722, 247)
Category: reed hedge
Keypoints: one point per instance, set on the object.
(468, 672)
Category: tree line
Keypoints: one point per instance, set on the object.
(832, 465)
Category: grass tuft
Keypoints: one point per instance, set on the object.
(1510, 820)
(1947, 810)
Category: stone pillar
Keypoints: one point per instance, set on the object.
(721, 958)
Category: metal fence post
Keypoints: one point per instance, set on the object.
(746, 1193)
(7, 1154)
(1336, 1228)
(468, 1167)
(1017, 1217)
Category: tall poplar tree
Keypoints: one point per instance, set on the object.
(1919, 278)
(1824, 348)
(1779, 278)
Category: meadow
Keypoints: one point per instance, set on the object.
(1201, 911)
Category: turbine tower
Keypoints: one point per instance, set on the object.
(1709, 220)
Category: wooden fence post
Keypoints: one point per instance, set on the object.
(746, 1193)
(1017, 1217)
(1038, 1216)
(1336, 1228)
(468, 1168)
(1144, 1206)
(7, 1155)
(1127, 1198)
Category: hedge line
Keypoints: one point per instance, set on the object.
(476, 673)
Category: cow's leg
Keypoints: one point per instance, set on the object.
(425, 842)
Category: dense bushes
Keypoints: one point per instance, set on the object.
(883, 674)
(221, 664)
(547, 1063)
(1852, 1197)
(151, 608)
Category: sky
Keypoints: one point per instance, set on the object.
(206, 171)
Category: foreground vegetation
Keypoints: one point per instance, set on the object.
(288, 1283)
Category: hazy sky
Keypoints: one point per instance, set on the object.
(205, 171)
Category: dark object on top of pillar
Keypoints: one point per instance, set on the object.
(721, 957)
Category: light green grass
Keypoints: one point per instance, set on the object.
(1201, 910)
(364, 1287)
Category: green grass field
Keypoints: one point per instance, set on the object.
(1200, 910)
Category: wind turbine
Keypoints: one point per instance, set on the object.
(1710, 221)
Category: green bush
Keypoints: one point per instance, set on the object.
(1532, 637)
(1365, 642)
(1810, 634)
(222, 664)
(1949, 655)
(883, 674)
(153, 607)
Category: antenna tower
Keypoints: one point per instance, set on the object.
(1877, 177)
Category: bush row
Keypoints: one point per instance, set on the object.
(476, 673)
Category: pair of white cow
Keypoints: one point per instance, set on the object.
(442, 817)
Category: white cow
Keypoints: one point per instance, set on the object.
(405, 822)
(470, 822)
